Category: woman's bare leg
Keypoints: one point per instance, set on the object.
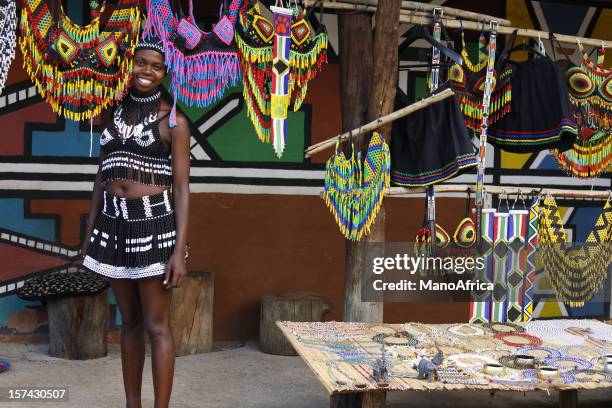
(155, 300)
(132, 339)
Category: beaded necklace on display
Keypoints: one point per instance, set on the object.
(526, 339)
(8, 38)
(586, 374)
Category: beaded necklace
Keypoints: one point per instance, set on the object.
(8, 38)
(79, 70)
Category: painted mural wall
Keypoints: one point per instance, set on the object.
(256, 222)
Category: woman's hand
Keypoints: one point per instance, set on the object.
(176, 270)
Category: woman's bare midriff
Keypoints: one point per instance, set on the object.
(131, 189)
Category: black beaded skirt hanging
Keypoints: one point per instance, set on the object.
(541, 116)
(430, 145)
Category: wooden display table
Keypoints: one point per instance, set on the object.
(340, 355)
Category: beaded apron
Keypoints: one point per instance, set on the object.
(8, 38)
(79, 70)
(254, 37)
(590, 156)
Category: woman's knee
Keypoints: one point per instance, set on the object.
(157, 328)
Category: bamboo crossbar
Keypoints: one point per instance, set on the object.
(375, 124)
(505, 190)
(476, 26)
(410, 7)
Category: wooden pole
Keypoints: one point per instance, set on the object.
(412, 7)
(375, 124)
(568, 398)
(476, 26)
(355, 52)
(510, 190)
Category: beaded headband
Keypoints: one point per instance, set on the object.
(151, 43)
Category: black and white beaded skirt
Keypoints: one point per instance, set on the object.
(132, 238)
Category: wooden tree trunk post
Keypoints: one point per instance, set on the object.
(295, 307)
(78, 326)
(192, 314)
(568, 399)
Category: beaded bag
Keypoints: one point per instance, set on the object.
(255, 39)
(203, 64)
(8, 38)
(79, 70)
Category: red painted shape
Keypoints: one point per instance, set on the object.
(20, 262)
(12, 125)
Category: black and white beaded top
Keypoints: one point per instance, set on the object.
(132, 145)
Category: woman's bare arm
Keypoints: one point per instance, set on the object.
(176, 269)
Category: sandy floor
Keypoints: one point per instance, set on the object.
(232, 377)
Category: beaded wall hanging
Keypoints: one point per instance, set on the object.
(354, 191)
(203, 64)
(79, 70)
(255, 39)
(578, 273)
(8, 38)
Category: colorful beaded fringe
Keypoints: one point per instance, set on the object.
(8, 39)
(590, 156)
(354, 192)
(254, 38)
(578, 273)
(79, 70)
(201, 70)
(590, 87)
(470, 99)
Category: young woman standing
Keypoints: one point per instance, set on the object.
(137, 226)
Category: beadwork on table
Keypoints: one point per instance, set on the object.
(361, 356)
(79, 70)
(8, 38)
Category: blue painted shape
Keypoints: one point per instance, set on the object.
(584, 218)
(12, 304)
(563, 18)
(13, 219)
(70, 142)
(548, 163)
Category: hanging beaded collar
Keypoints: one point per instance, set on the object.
(354, 192)
(203, 64)
(8, 38)
(79, 70)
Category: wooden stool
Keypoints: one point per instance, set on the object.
(192, 314)
(77, 326)
(295, 307)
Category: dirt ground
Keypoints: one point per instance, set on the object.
(233, 376)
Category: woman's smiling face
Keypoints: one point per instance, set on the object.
(148, 71)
